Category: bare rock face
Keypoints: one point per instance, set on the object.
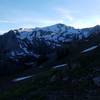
(8, 42)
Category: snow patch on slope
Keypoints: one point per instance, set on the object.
(89, 49)
(21, 78)
(58, 66)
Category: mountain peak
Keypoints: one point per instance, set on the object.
(60, 24)
(97, 27)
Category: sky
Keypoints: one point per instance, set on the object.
(16, 14)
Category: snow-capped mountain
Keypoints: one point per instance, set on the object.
(56, 33)
(37, 41)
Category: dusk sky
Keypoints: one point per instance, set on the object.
(16, 14)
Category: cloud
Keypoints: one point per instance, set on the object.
(50, 21)
(30, 21)
(87, 22)
(27, 22)
(65, 13)
(41, 23)
(7, 21)
(80, 24)
(3, 31)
